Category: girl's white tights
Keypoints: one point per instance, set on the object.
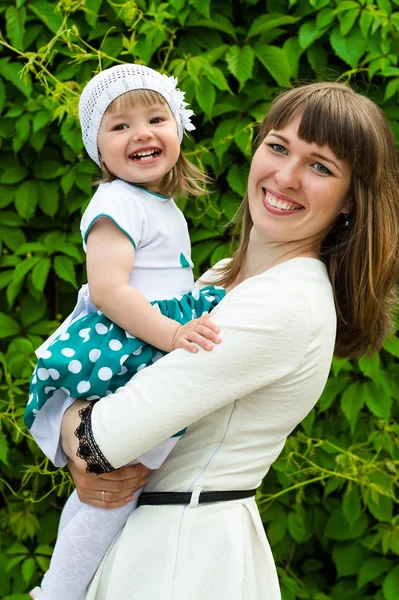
(84, 535)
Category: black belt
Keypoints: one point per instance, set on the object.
(159, 498)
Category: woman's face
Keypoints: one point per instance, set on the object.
(296, 190)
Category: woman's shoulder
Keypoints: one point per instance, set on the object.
(213, 274)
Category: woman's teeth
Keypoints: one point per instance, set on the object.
(145, 156)
(282, 204)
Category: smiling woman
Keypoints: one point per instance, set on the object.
(197, 533)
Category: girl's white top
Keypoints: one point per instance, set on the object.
(162, 269)
(240, 402)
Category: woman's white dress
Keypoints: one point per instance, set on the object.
(240, 401)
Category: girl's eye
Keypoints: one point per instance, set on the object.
(322, 169)
(156, 120)
(277, 148)
(120, 127)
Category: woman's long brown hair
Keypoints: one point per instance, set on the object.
(363, 258)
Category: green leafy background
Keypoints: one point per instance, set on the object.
(329, 502)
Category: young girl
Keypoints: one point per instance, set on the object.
(132, 121)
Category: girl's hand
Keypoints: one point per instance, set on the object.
(110, 490)
(199, 332)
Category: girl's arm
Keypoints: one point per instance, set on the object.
(265, 337)
(110, 258)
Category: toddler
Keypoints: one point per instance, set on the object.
(137, 304)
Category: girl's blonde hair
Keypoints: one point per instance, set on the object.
(363, 258)
(184, 178)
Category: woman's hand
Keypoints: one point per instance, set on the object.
(109, 490)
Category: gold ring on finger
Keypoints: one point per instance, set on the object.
(103, 496)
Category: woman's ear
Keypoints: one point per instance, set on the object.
(347, 208)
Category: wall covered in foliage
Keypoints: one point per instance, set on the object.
(329, 502)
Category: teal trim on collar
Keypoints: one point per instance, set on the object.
(161, 196)
(113, 220)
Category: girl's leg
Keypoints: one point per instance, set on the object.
(71, 508)
(80, 547)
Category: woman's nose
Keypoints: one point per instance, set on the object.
(288, 177)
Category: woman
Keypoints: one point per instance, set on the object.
(316, 269)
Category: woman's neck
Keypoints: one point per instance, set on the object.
(263, 255)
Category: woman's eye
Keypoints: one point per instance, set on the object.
(120, 127)
(277, 148)
(322, 169)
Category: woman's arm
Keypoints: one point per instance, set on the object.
(110, 259)
(265, 337)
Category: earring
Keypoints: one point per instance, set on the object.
(346, 217)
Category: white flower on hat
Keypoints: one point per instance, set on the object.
(108, 85)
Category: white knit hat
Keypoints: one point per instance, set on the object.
(111, 83)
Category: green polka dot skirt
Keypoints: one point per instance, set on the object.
(94, 357)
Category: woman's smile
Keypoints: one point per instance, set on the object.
(278, 204)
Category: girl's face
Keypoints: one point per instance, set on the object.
(139, 144)
(296, 190)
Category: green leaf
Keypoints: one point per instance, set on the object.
(365, 22)
(22, 129)
(391, 89)
(26, 199)
(205, 94)
(270, 21)
(28, 569)
(348, 558)
(40, 273)
(337, 527)
(2, 95)
(41, 119)
(370, 366)
(15, 25)
(23, 268)
(3, 448)
(12, 72)
(17, 549)
(275, 61)
(223, 136)
(351, 504)
(240, 62)
(293, 51)
(352, 401)
(348, 20)
(13, 174)
(215, 76)
(237, 178)
(391, 584)
(277, 530)
(349, 48)
(218, 22)
(309, 33)
(48, 197)
(47, 12)
(380, 506)
(385, 6)
(391, 345)
(64, 268)
(202, 6)
(377, 399)
(8, 326)
(372, 569)
(296, 526)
